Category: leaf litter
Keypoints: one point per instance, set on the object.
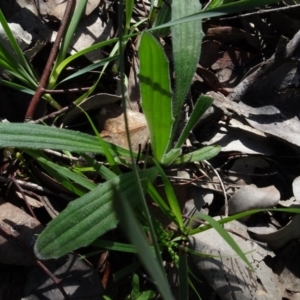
(250, 67)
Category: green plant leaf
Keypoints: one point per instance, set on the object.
(204, 153)
(186, 41)
(137, 238)
(135, 287)
(156, 93)
(114, 246)
(16, 86)
(65, 44)
(16, 48)
(103, 171)
(33, 136)
(202, 104)
(160, 202)
(169, 157)
(128, 11)
(217, 3)
(244, 214)
(163, 16)
(146, 295)
(88, 217)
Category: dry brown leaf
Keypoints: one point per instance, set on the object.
(112, 126)
(21, 226)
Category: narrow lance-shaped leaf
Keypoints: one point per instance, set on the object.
(88, 217)
(18, 87)
(156, 93)
(16, 47)
(33, 136)
(186, 41)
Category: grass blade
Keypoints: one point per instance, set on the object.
(163, 16)
(114, 246)
(156, 93)
(138, 239)
(16, 46)
(88, 69)
(76, 16)
(171, 196)
(16, 86)
(202, 104)
(244, 214)
(152, 192)
(227, 238)
(128, 10)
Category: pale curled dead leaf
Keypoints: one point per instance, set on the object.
(279, 238)
(112, 127)
(296, 188)
(21, 226)
(251, 197)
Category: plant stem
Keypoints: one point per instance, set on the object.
(45, 76)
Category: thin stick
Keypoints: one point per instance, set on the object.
(64, 91)
(56, 280)
(54, 114)
(13, 179)
(35, 187)
(222, 186)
